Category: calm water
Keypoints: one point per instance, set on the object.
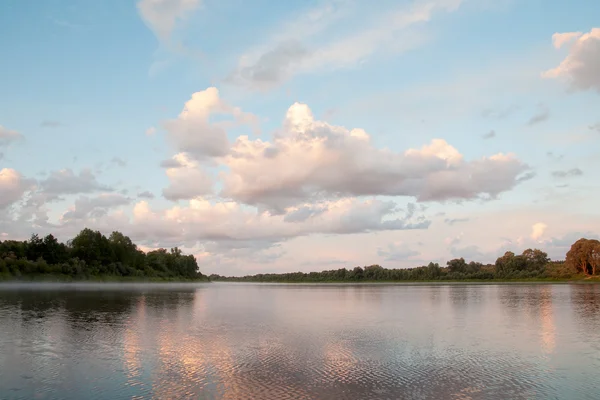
(252, 341)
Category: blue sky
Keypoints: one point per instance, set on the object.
(93, 93)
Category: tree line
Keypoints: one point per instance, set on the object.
(91, 254)
(582, 260)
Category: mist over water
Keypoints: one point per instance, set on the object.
(268, 341)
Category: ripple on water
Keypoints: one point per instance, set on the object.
(200, 344)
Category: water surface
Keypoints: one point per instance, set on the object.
(253, 341)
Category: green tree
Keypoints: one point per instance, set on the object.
(580, 256)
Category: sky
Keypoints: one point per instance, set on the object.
(267, 136)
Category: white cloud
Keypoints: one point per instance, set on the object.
(12, 187)
(581, 67)
(236, 226)
(66, 181)
(537, 230)
(297, 46)
(94, 207)
(187, 179)
(150, 131)
(162, 16)
(309, 160)
(560, 39)
(193, 132)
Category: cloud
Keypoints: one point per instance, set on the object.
(337, 162)
(8, 137)
(66, 181)
(94, 207)
(172, 162)
(542, 115)
(145, 195)
(299, 46)
(150, 131)
(580, 67)
(187, 179)
(595, 127)
(559, 39)
(12, 187)
(537, 230)
(568, 239)
(193, 133)
(119, 162)
(567, 173)
(556, 157)
(272, 67)
(236, 226)
(162, 16)
(452, 221)
(490, 134)
(397, 252)
(500, 113)
(303, 213)
(51, 124)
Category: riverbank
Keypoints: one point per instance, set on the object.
(579, 280)
(96, 279)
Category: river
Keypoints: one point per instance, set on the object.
(270, 341)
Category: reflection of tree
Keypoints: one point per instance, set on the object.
(585, 300)
(532, 304)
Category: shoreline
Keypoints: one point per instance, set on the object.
(95, 279)
(429, 282)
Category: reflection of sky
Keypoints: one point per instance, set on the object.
(272, 341)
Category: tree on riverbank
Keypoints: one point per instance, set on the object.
(531, 264)
(90, 254)
(584, 256)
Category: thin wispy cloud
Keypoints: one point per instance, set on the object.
(294, 50)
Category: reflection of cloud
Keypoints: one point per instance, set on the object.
(548, 329)
(131, 343)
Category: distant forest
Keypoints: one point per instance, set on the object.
(582, 261)
(91, 255)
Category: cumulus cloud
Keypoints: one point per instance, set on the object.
(582, 64)
(236, 225)
(538, 230)
(8, 136)
(12, 187)
(193, 132)
(66, 181)
(162, 16)
(309, 160)
(567, 173)
(94, 207)
(299, 46)
(187, 179)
